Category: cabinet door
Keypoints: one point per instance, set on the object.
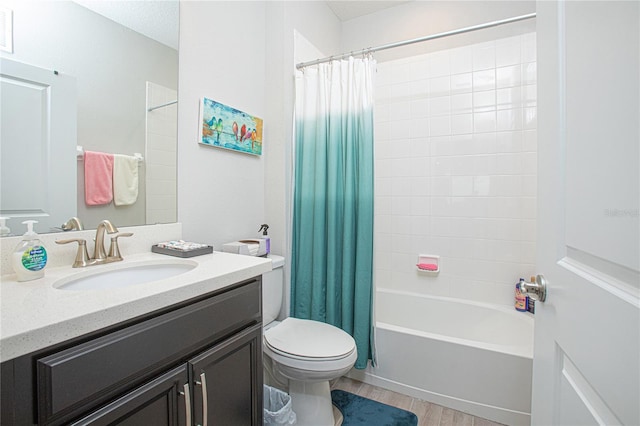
(159, 402)
(228, 381)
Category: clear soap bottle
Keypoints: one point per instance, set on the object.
(30, 257)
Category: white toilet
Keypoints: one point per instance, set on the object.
(306, 354)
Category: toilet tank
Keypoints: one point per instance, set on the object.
(272, 289)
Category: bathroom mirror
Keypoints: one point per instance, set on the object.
(119, 74)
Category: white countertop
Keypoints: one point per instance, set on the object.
(35, 315)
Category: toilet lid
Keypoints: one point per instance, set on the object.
(309, 339)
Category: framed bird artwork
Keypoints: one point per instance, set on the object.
(223, 126)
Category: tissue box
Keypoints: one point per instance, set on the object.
(253, 247)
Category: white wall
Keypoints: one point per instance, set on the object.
(222, 57)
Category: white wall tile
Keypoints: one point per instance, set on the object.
(484, 122)
(400, 129)
(419, 108)
(456, 169)
(440, 126)
(530, 95)
(509, 119)
(461, 83)
(439, 63)
(529, 73)
(420, 147)
(510, 76)
(508, 52)
(401, 225)
(484, 80)
(484, 56)
(419, 128)
(418, 88)
(508, 98)
(419, 70)
(420, 186)
(461, 103)
(461, 60)
(484, 101)
(440, 86)
(440, 105)
(530, 140)
(462, 124)
(400, 72)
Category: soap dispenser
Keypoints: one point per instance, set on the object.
(267, 241)
(30, 257)
(4, 229)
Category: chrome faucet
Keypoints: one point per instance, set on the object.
(99, 253)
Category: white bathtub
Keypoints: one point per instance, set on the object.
(469, 356)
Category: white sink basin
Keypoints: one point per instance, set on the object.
(124, 275)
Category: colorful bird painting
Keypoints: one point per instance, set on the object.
(219, 129)
(227, 127)
(235, 130)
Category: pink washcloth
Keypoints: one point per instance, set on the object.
(427, 266)
(98, 172)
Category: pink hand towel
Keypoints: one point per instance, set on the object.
(98, 172)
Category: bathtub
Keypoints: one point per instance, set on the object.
(468, 356)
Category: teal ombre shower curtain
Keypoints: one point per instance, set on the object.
(332, 243)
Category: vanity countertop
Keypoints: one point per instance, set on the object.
(35, 315)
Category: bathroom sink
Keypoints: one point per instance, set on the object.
(119, 276)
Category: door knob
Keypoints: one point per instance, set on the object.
(537, 290)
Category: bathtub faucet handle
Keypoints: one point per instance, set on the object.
(537, 290)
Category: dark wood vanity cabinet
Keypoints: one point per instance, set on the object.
(193, 364)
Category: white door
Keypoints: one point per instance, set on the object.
(587, 355)
(38, 116)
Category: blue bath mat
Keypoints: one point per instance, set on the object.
(359, 411)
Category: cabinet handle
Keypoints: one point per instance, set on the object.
(205, 404)
(187, 403)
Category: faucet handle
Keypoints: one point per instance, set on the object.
(82, 256)
(114, 251)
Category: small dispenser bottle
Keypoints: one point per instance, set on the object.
(4, 229)
(30, 257)
(264, 227)
(521, 299)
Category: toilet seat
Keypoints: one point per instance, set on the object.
(309, 340)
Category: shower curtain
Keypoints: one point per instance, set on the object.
(332, 243)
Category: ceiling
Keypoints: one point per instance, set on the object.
(349, 9)
(155, 19)
(144, 16)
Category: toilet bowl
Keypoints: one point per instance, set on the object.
(306, 354)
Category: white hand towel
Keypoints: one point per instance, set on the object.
(125, 180)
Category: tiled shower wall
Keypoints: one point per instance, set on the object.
(455, 143)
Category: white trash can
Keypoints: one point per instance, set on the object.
(277, 408)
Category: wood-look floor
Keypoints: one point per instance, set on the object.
(428, 414)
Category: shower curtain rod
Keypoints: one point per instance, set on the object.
(418, 40)
(162, 106)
